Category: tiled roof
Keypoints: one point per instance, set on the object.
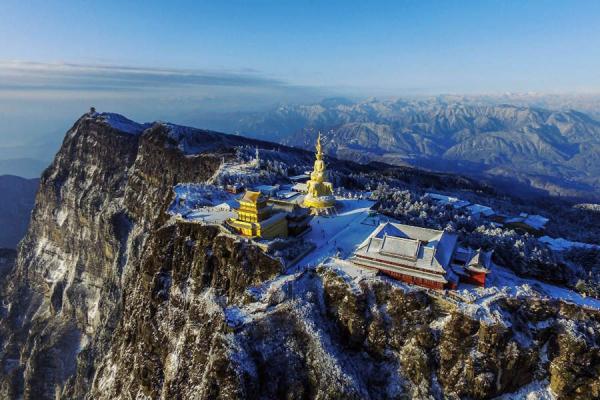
(401, 247)
(423, 248)
(252, 197)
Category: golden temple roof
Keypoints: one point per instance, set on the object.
(252, 197)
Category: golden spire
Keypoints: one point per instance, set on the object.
(319, 148)
(319, 192)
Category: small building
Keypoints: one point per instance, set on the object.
(234, 188)
(267, 190)
(298, 218)
(411, 254)
(256, 219)
(286, 194)
(472, 266)
(299, 178)
(479, 210)
(300, 188)
(534, 224)
(455, 202)
(223, 207)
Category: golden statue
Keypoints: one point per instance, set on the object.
(320, 193)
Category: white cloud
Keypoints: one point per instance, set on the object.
(19, 75)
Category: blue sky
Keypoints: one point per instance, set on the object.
(161, 60)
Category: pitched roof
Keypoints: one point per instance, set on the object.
(443, 199)
(401, 247)
(407, 232)
(424, 248)
(480, 261)
(481, 209)
(252, 197)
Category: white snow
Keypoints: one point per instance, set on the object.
(537, 390)
(181, 135)
(53, 259)
(123, 124)
(61, 216)
(561, 244)
(447, 200)
(536, 221)
(439, 323)
(202, 203)
(503, 282)
(479, 209)
(340, 234)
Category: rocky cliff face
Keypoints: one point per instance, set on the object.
(109, 298)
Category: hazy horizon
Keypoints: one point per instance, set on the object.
(155, 63)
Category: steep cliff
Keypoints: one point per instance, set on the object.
(111, 298)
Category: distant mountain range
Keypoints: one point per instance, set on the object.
(528, 149)
(29, 160)
(16, 203)
(24, 167)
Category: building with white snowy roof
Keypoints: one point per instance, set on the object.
(479, 210)
(411, 254)
(447, 200)
(528, 223)
(299, 178)
(267, 190)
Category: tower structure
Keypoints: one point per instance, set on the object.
(256, 219)
(257, 158)
(319, 195)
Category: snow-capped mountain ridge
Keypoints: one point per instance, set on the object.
(552, 151)
(113, 298)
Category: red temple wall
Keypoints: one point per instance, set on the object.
(413, 280)
(475, 278)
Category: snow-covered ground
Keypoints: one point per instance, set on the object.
(332, 235)
(202, 203)
(534, 391)
(351, 274)
(560, 244)
(123, 124)
(339, 235)
(502, 282)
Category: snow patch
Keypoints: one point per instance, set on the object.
(202, 203)
(61, 216)
(560, 244)
(122, 124)
(339, 235)
(538, 390)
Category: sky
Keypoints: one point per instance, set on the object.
(154, 60)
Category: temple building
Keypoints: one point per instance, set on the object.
(298, 218)
(411, 254)
(319, 196)
(472, 266)
(256, 219)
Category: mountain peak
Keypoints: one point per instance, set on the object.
(120, 123)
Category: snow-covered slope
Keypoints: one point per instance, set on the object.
(113, 298)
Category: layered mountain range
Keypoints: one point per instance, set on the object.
(109, 297)
(528, 149)
(16, 201)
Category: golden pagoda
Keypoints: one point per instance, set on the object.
(256, 219)
(320, 192)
